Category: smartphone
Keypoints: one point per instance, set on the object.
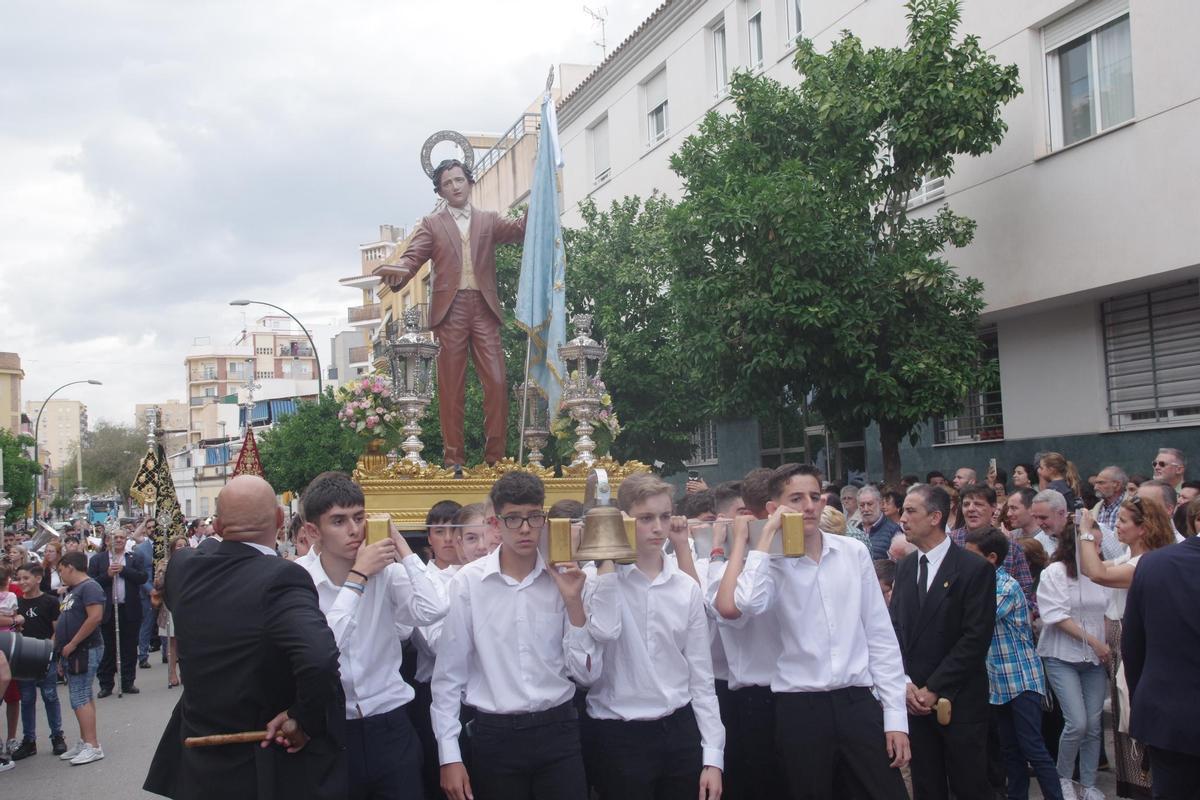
(693, 475)
(991, 466)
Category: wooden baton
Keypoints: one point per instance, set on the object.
(288, 728)
(225, 738)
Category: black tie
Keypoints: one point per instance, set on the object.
(922, 579)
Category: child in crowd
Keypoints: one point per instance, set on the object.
(40, 613)
(470, 533)
(1017, 684)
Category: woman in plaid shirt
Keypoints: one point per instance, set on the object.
(1017, 684)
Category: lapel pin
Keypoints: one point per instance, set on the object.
(946, 585)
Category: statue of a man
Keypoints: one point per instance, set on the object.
(464, 309)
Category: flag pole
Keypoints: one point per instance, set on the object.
(524, 400)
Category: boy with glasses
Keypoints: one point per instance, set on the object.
(512, 643)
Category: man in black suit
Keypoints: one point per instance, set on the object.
(1160, 646)
(256, 652)
(944, 608)
(120, 573)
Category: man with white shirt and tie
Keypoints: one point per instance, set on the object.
(366, 597)
(514, 639)
(654, 729)
(838, 651)
(464, 308)
(121, 575)
(944, 609)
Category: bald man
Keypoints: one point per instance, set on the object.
(257, 655)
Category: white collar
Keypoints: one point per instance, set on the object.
(262, 548)
(937, 553)
(491, 566)
(461, 213)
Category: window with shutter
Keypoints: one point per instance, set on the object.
(1152, 364)
(601, 167)
(655, 92)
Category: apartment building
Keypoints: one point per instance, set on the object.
(11, 376)
(63, 425)
(1087, 241)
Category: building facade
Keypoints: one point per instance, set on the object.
(63, 425)
(274, 349)
(1086, 240)
(11, 376)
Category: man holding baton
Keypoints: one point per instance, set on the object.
(259, 656)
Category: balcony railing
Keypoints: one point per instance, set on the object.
(367, 313)
(527, 125)
(394, 328)
(295, 350)
(204, 399)
(360, 355)
(204, 375)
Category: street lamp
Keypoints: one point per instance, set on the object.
(316, 355)
(37, 442)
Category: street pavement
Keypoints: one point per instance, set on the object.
(129, 729)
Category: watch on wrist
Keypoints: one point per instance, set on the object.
(1088, 537)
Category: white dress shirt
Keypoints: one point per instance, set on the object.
(834, 626)
(507, 647)
(262, 548)
(1061, 597)
(364, 627)
(462, 218)
(1049, 543)
(751, 644)
(428, 635)
(935, 557)
(653, 636)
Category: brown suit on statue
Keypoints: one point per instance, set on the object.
(464, 313)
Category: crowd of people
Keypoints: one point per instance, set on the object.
(940, 638)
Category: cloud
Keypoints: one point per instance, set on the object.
(161, 159)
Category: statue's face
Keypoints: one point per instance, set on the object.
(454, 188)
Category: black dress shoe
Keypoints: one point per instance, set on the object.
(103, 693)
(131, 690)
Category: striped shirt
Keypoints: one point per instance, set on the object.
(1015, 564)
(1013, 665)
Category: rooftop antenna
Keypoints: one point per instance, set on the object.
(599, 17)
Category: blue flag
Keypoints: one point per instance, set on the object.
(542, 291)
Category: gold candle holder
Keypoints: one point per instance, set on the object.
(793, 535)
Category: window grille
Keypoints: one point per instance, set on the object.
(704, 445)
(982, 415)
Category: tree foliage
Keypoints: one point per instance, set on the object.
(619, 267)
(19, 472)
(800, 271)
(307, 443)
(111, 457)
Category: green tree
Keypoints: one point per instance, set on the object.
(19, 472)
(307, 443)
(111, 457)
(800, 272)
(618, 267)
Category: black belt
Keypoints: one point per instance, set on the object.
(563, 713)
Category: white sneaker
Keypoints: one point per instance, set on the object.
(7, 764)
(74, 751)
(10, 748)
(1092, 793)
(1068, 789)
(87, 755)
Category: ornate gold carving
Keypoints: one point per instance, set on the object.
(615, 469)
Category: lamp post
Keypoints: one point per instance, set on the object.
(36, 442)
(316, 355)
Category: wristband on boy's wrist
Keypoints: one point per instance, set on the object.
(355, 585)
(359, 574)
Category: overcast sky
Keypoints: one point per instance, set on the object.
(160, 159)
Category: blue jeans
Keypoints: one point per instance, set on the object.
(1079, 687)
(48, 684)
(1020, 726)
(149, 619)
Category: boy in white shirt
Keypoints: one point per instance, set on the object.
(365, 596)
(512, 643)
(654, 730)
(838, 646)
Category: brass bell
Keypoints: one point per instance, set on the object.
(604, 537)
